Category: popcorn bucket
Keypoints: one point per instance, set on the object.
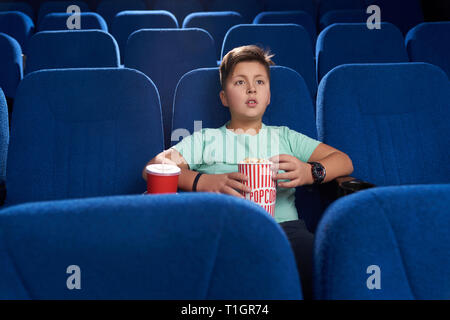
(260, 180)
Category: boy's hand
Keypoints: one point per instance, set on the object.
(298, 172)
(226, 183)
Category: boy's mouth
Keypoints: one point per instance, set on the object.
(251, 102)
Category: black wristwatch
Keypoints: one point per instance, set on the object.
(318, 172)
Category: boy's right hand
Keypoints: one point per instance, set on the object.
(226, 183)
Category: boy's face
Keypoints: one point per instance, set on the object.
(247, 91)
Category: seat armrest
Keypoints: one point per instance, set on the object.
(343, 186)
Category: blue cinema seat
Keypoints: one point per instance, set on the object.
(290, 43)
(58, 21)
(4, 141)
(385, 244)
(216, 23)
(59, 6)
(108, 9)
(18, 25)
(308, 6)
(179, 8)
(23, 7)
(391, 119)
(127, 22)
(325, 6)
(290, 106)
(87, 132)
(72, 49)
(343, 16)
(343, 43)
(11, 65)
(171, 247)
(301, 18)
(165, 55)
(430, 42)
(248, 8)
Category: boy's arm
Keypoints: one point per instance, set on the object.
(336, 163)
(226, 183)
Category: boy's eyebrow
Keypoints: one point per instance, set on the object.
(244, 76)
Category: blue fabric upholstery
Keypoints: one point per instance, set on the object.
(248, 9)
(343, 43)
(290, 43)
(216, 23)
(430, 42)
(308, 6)
(59, 6)
(126, 22)
(179, 8)
(88, 132)
(290, 106)
(174, 247)
(71, 49)
(403, 230)
(11, 65)
(391, 119)
(23, 7)
(4, 135)
(58, 21)
(330, 5)
(342, 16)
(296, 17)
(18, 25)
(165, 55)
(109, 8)
(405, 14)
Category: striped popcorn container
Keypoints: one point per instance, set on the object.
(264, 188)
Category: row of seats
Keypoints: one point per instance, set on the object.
(166, 54)
(394, 11)
(92, 130)
(384, 243)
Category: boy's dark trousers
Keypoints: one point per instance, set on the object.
(302, 243)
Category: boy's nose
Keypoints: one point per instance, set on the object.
(251, 90)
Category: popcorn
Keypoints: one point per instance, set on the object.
(256, 160)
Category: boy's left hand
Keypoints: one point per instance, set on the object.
(298, 172)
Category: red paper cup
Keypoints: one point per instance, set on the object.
(162, 178)
(260, 180)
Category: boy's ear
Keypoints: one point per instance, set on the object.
(223, 98)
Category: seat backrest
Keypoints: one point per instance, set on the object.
(179, 8)
(166, 247)
(290, 106)
(296, 17)
(18, 25)
(59, 6)
(290, 43)
(109, 8)
(58, 21)
(391, 119)
(248, 9)
(4, 135)
(72, 49)
(342, 16)
(430, 42)
(308, 6)
(127, 22)
(343, 43)
(165, 55)
(87, 132)
(23, 7)
(216, 23)
(11, 65)
(384, 244)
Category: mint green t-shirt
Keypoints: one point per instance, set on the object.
(218, 151)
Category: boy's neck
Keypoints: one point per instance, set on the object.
(245, 127)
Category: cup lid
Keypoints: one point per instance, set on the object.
(163, 169)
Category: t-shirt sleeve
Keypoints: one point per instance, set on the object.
(301, 145)
(191, 148)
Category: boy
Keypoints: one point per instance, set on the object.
(206, 164)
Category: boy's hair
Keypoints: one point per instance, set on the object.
(240, 54)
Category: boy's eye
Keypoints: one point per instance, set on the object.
(239, 82)
(260, 81)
